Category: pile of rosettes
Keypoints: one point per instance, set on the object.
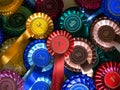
(59, 45)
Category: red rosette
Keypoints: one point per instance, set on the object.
(105, 33)
(83, 56)
(60, 43)
(89, 4)
(10, 80)
(107, 76)
(51, 7)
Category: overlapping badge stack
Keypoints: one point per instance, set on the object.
(59, 45)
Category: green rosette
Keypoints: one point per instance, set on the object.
(14, 25)
(75, 22)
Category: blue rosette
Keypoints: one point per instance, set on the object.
(36, 54)
(31, 3)
(79, 82)
(37, 82)
(2, 37)
(111, 8)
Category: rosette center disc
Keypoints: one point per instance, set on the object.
(114, 7)
(79, 55)
(5, 2)
(41, 57)
(40, 86)
(39, 26)
(72, 23)
(106, 33)
(79, 87)
(17, 20)
(7, 84)
(112, 80)
(60, 44)
(49, 6)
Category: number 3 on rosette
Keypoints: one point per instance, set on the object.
(38, 26)
(60, 43)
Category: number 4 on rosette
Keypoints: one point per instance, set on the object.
(38, 26)
(60, 43)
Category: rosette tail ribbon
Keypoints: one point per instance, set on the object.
(60, 43)
(38, 26)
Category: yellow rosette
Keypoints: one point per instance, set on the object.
(9, 6)
(38, 26)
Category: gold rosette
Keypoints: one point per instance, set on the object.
(38, 26)
(9, 6)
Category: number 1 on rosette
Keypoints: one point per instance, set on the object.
(38, 26)
(60, 43)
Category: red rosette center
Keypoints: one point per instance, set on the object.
(60, 42)
(112, 80)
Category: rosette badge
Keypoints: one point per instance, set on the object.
(59, 43)
(107, 76)
(9, 6)
(83, 57)
(38, 25)
(51, 7)
(36, 55)
(79, 82)
(106, 34)
(73, 21)
(10, 80)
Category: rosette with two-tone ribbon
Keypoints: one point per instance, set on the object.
(10, 80)
(83, 56)
(107, 76)
(105, 33)
(60, 43)
(36, 55)
(51, 7)
(39, 26)
(79, 82)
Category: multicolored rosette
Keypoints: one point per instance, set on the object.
(60, 43)
(51, 7)
(31, 3)
(38, 26)
(10, 80)
(79, 82)
(2, 37)
(9, 7)
(14, 24)
(83, 57)
(89, 4)
(107, 76)
(74, 21)
(36, 82)
(111, 9)
(36, 54)
(105, 33)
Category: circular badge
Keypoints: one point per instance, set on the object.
(89, 4)
(107, 76)
(51, 7)
(15, 24)
(60, 42)
(10, 81)
(31, 3)
(79, 82)
(72, 20)
(39, 25)
(83, 56)
(9, 7)
(111, 9)
(104, 32)
(36, 54)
